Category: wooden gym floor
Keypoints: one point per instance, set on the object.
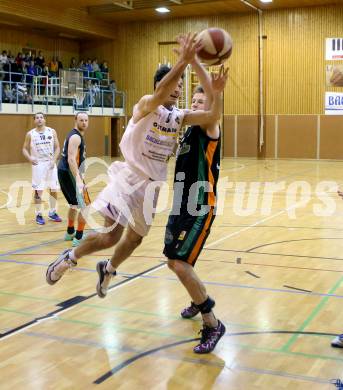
(277, 282)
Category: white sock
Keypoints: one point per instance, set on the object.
(109, 267)
(72, 255)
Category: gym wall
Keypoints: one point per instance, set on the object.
(294, 80)
(14, 128)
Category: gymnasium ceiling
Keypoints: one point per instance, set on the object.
(133, 10)
(80, 19)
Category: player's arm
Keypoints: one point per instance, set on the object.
(73, 150)
(27, 148)
(167, 85)
(208, 119)
(204, 81)
(57, 149)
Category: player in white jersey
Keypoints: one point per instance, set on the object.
(41, 148)
(130, 198)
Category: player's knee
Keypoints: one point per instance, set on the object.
(107, 241)
(177, 266)
(133, 239)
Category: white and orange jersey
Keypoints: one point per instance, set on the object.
(42, 144)
(148, 144)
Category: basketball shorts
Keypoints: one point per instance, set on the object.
(44, 177)
(186, 235)
(129, 198)
(68, 187)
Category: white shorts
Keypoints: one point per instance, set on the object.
(129, 198)
(44, 177)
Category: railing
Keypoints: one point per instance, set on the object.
(44, 90)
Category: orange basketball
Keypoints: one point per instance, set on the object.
(217, 46)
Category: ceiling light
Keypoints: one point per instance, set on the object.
(162, 10)
(266, 1)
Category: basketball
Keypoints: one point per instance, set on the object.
(217, 46)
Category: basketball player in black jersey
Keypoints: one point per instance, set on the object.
(196, 175)
(70, 174)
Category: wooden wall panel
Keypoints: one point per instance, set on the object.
(295, 57)
(136, 57)
(297, 136)
(228, 136)
(66, 20)
(15, 41)
(247, 133)
(270, 136)
(14, 127)
(331, 137)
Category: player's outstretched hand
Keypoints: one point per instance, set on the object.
(218, 80)
(188, 47)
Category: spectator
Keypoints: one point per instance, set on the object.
(73, 64)
(7, 94)
(113, 86)
(32, 70)
(60, 65)
(95, 65)
(22, 93)
(53, 67)
(45, 80)
(3, 58)
(104, 67)
(19, 59)
(40, 61)
(11, 59)
(89, 67)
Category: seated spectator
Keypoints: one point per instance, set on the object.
(104, 67)
(95, 65)
(19, 59)
(96, 69)
(73, 64)
(7, 94)
(3, 58)
(10, 57)
(22, 93)
(89, 67)
(113, 86)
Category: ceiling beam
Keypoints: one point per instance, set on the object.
(179, 2)
(125, 4)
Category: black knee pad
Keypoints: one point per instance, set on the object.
(206, 306)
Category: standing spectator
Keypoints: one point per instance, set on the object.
(60, 65)
(19, 59)
(40, 61)
(31, 71)
(53, 67)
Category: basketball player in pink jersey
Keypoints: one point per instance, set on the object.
(41, 148)
(129, 200)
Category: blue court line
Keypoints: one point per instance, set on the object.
(225, 285)
(31, 247)
(27, 262)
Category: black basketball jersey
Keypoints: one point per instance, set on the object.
(81, 154)
(198, 161)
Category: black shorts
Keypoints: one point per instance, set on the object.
(68, 187)
(186, 235)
